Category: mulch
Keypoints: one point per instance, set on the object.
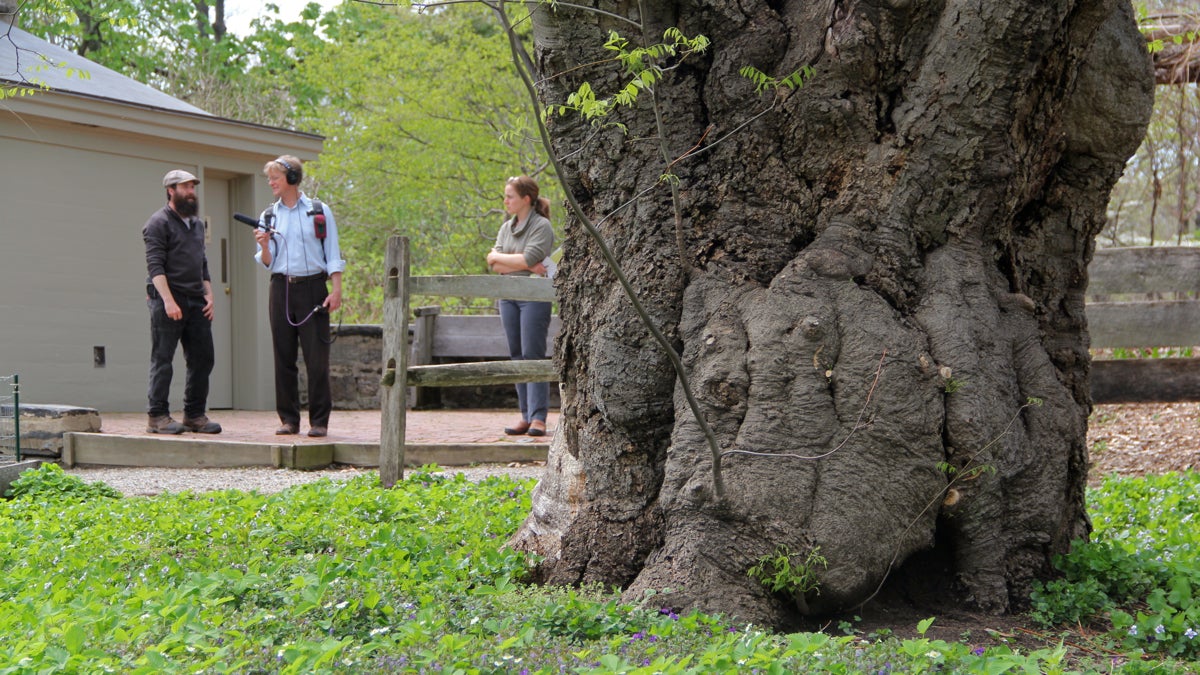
(1136, 439)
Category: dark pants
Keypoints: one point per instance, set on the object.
(194, 332)
(291, 304)
(526, 324)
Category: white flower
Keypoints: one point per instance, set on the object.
(1190, 633)
(933, 654)
(1133, 631)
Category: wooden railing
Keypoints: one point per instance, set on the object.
(1120, 316)
(398, 288)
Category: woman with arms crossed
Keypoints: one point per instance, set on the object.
(523, 243)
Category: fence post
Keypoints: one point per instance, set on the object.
(394, 388)
(17, 413)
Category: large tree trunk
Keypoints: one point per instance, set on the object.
(877, 276)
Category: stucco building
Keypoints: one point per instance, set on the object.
(81, 167)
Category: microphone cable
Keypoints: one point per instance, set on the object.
(281, 247)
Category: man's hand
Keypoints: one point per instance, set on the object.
(173, 311)
(334, 299)
(263, 238)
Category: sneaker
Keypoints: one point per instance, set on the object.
(163, 424)
(201, 425)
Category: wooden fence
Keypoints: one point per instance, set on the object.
(398, 375)
(1128, 308)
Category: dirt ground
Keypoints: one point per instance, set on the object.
(1139, 439)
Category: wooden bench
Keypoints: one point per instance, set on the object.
(399, 375)
(450, 338)
(1124, 311)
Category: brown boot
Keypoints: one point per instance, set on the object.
(537, 428)
(201, 425)
(163, 424)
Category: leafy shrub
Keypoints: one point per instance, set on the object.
(1068, 601)
(50, 482)
(785, 571)
(1139, 570)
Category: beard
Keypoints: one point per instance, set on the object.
(184, 206)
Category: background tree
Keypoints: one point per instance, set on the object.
(424, 121)
(1158, 197)
(151, 41)
(871, 283)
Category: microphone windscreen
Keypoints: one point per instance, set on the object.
(252, 222)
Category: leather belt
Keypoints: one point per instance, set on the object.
(298, 280)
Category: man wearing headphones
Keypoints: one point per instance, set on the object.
(179, 295)
(298, 245)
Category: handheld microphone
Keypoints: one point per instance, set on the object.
(252, 222)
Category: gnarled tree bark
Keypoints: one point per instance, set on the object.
(877, 276)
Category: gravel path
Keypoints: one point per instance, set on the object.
(135, 481)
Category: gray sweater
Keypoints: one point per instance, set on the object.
(534, 238)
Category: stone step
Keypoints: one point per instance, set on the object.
(43, 426)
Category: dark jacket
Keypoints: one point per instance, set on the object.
(176, 250)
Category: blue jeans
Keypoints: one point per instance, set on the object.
(526, 324)
(194, 332)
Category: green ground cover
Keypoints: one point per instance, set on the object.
(335, 577)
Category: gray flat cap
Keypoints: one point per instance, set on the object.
(177, 176)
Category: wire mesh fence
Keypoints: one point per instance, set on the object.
(10, 418)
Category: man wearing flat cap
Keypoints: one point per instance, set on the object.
(179, 295)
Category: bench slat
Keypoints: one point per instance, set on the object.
(475, 337)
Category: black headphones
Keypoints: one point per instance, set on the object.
(292, 174)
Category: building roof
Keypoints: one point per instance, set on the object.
(29, 60)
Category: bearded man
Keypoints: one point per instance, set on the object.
(179, 295)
